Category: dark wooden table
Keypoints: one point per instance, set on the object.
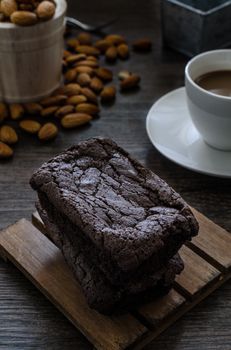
(27, 319)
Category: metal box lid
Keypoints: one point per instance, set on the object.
(194, 26)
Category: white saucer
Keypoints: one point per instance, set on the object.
(171, 131)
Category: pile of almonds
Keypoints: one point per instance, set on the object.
(87, 86)
(26, 12)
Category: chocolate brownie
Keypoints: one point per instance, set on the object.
(87, 248)
(131, 217)
(100, 294)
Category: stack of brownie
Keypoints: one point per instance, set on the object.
(118, 224)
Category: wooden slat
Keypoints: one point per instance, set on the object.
(213, 241)
(38, 223)
(42, 262)
(188, 305)
(3, 255)
(160, 309)
(197, 274)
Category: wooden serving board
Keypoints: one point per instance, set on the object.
(207, 265)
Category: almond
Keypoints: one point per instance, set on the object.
(75, 58)
(3, 111)
(88, 63)
(45, 10)
(115, 39)
(49, 111)
(111, 54)
(24, 18)
(62, 111)
(8, 7)
(83, 79)
(75, 119)
(123, 51)
(53, 100)
(104, 74)
(89, 94)
(30, 126)
(2, 17)
(64, 64)
(33, 108)
(130, 82)
(88, 50)
(16, 111)
(92, 58)
(70, 75)
(102, 45)
(96, 84)
(5, 151)
(84, 38)
(72, 43)
(48, 132)
(8, 135)
(88, 108)
(70, 89)
(84, 69)
(142, 45)
(66, 53)
(75, 100)
(108, 94)
(124, 74)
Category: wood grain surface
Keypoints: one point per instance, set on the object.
(214, 243)
(196, 274)
(27, 319)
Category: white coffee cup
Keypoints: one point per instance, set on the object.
(210, 113)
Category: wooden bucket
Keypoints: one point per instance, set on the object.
(31, 58)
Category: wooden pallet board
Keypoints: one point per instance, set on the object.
(212, 243)
(42, 262)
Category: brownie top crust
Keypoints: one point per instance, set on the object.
(123, 207)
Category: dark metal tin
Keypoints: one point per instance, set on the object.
(194, 26)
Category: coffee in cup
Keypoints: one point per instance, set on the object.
(217, 82)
